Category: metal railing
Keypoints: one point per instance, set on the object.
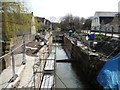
(42, 76)
(11, 62)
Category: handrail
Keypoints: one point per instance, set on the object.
(13, 50)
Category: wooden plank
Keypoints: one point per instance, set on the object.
(49, 65)
(48, 81)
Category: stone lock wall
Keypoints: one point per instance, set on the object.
(89, 64)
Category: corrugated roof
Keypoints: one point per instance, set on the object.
(106, 20)
(105, 14)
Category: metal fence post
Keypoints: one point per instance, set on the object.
(13, 63)
(24, 51)
(34, 72)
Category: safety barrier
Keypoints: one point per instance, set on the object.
(12, 65)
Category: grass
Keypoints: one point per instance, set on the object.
(101, 37)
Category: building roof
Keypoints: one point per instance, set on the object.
(106, 20)
(105, 14)
(40, 18)
(43, 19)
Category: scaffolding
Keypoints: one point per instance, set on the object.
(46, 78)
(44, 69)
(13, 63)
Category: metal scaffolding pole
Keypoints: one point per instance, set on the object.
(13, 63)
(24, 51)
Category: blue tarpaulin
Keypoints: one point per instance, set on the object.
(109, 76)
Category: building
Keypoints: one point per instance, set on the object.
(48, 24)
(102, 21)
(115, 24)
(44, 23)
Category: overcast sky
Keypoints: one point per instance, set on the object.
(82, 8)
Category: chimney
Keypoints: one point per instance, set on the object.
(119, 7)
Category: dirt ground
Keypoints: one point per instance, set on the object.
(31, 48)
(109, 48)
(36, 47)
(33, 44)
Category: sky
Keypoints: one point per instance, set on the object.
(55, 9)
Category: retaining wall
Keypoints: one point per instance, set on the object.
(89, 64)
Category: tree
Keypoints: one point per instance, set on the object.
(71, 22)
(78, 23)
(87, 24)
(66, 22)
(55, 25)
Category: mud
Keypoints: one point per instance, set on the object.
(31, 52)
